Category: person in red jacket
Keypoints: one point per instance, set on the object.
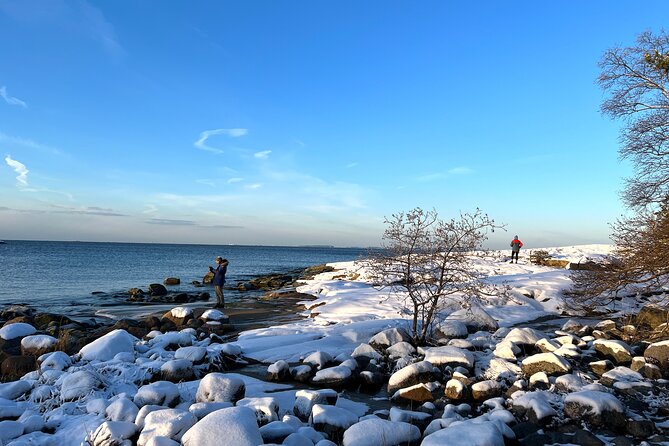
(515, 248)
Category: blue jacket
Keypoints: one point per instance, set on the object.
(219, 274)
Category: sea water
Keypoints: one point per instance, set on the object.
(61, 277)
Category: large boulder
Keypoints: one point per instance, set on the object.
(388, 337)
(16, 330)
(658, 354)
(108, 346)
(305, 400)
(419, 372)
(234, 426)
(332, 420)
(37, 345)
(217, 387)
(170, 423)
(617, 351)
(157, 289)
(550, 363)
(171, 281)
(652, 316)
(375, 431)
(596, 408)
(448, 356)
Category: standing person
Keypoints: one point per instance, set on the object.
(515, 248)
(219, 280)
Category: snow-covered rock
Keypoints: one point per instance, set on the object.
(113, 433)
(365, 352)
(658, 354)
(389, 337)
(545, 362)
(216, 387)
(177, 370)
(419, 372)
(279, 371)
(266, 408)
(469, 433)
(36, 345)
(54, 361)
(400, 350)
(16, 330)
(215, 315)
(122, 409)
(235, 426)
(617, 351)
(375, 432)
(450, 329)
(447, 355)
(332, 420)
(484, 390)
(418, 419)
(171, 423)
(318, 359)
(159, 393)
(418, 393)
(506, 350)
(535, 406)
(108, 346)
(143, 412)
(276, 431)
(338, 377)
(305, 400)
(10, 430)
(596, 408)
(14, 389)
(78, 385)
(524, 336)
(455, 390)
(196, 355)
(201, 410)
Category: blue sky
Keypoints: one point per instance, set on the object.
(304, 122)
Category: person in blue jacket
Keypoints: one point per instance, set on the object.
(219, 280)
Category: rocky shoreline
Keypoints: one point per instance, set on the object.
(170, 378)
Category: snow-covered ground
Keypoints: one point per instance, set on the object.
(102, 394)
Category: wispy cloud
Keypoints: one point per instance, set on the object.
(150, 209)
(262, 155)
(87, 210)
(20, 169)
(206, 182)
(194, 200)
(235, 180)
(201, 143)
(462, 170)
(25, 142)
(11, 100)
(351, 165)
(170, 222)
(254, 186)
(79, 16)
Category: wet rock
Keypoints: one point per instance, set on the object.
(208, 278)
(43, 320)
(136, 292)
(156, 289)
(271, 282)
(312, 271)
(171, 281)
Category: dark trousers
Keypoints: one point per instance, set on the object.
(514, 253)
(219, 295)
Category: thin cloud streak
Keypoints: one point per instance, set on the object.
(25, 142)
(262, 155)
(20, 169)
(201, 143)
(11, 100)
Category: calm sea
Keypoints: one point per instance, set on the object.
(61, 276)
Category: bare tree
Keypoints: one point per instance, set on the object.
(426, 260)
(636, 79)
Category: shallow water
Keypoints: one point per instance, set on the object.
(60, 276)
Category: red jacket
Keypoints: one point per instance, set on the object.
(516, 245)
